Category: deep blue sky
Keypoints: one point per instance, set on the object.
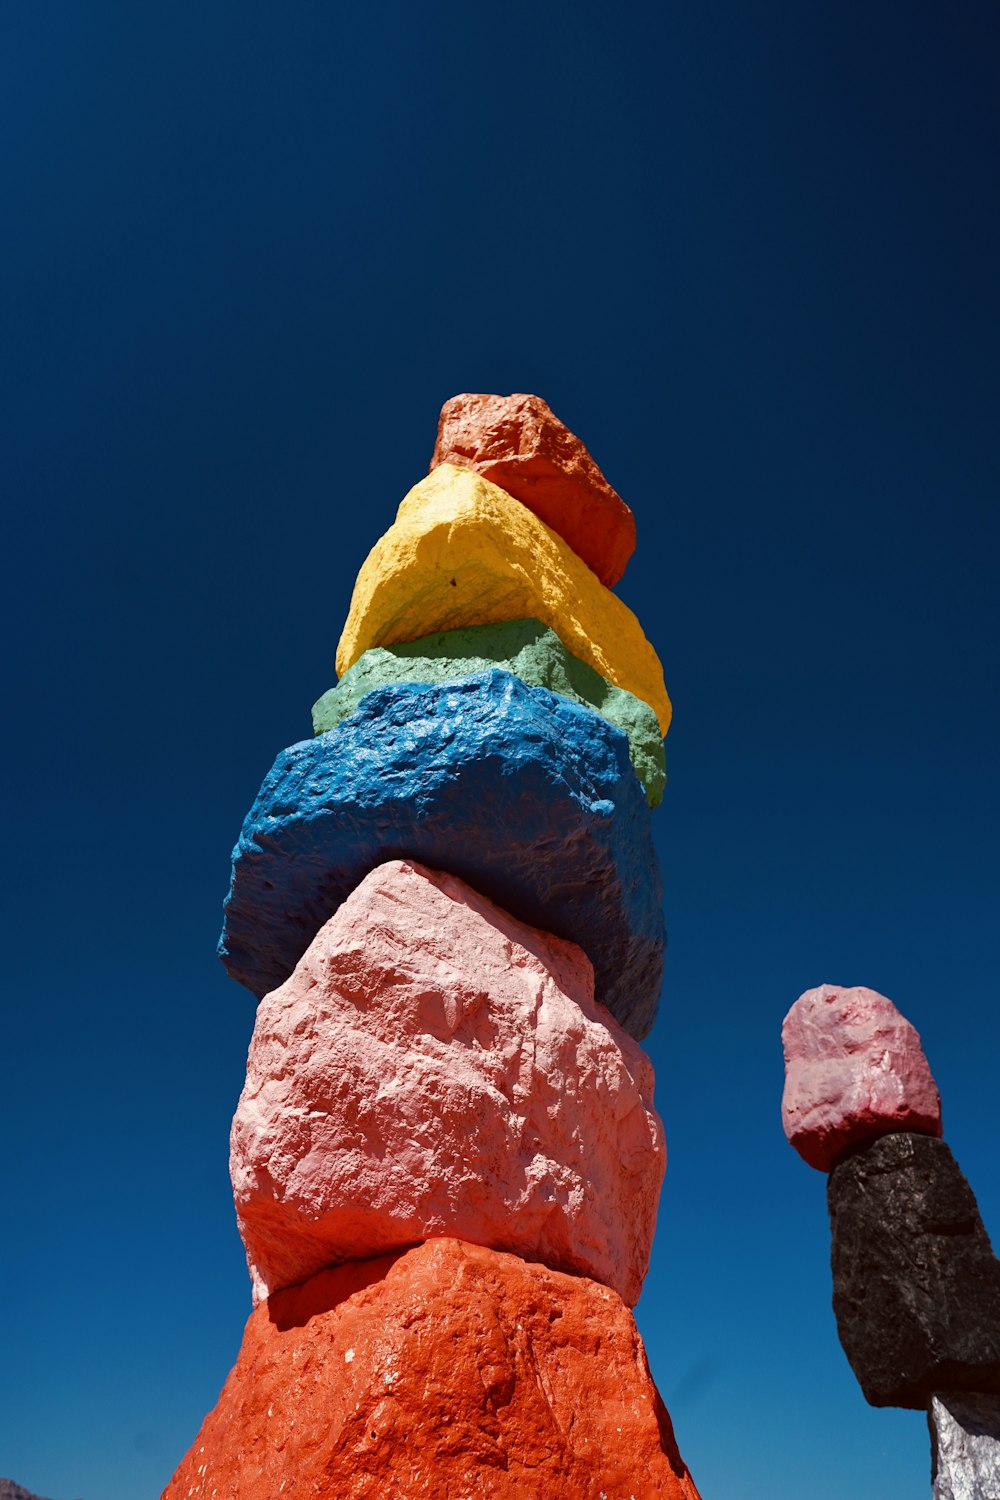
(749, 253)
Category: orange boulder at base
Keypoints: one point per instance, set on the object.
(445, 1372)
(520, 444)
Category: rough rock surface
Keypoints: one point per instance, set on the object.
(532, 652)
(916, 1286)
(463, 552)
(11, 1491)
(854, 1070)
(520, 444)
(529, 798)
(965, 1447)
(435, 1067)
(448, 1371)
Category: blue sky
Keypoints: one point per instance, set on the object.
(748, 253)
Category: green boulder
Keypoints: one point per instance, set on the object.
(527, 648)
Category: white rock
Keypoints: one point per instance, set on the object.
(965, 1447)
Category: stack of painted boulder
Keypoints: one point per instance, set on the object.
(446, 1160)
(916, 1286)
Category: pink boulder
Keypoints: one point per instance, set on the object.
(854, 1070)
(435, 1067)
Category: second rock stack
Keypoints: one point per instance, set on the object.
(916, 1286)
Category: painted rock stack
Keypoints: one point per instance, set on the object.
(446, 1160)
(916, 1286)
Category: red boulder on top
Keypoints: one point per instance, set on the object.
(518, 443)
(854, 1070)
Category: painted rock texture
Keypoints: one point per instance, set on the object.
(447, 1371)
(532, 652)
(520, 444)
(528, 798)
(435, 1067)
(463, 552)
(854, 1070)
(965, 1447)
(916, 1286)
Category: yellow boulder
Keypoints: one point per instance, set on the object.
(464, 552)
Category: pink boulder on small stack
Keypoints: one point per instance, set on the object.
(854, 1070)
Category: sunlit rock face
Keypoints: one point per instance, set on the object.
(435, 1067)
(461, 551)
(520, 444)
(854, 1070)
(449, 1370)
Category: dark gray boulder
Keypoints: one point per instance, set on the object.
(916, 1286)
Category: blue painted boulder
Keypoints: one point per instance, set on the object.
(529, 798)
(528, 649)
